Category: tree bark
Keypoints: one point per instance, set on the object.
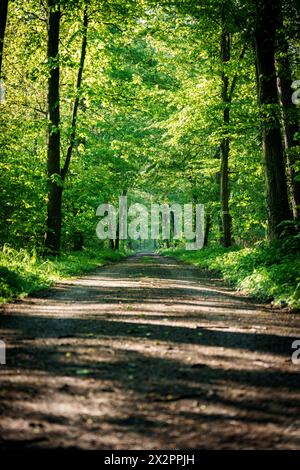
(53, 234)
(3, 21)
(289, 117)
(225, 144)
(78, 241)
(276, 183)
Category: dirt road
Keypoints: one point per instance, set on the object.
(148, 353)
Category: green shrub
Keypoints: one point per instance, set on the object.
(266, 271)
(22, 272)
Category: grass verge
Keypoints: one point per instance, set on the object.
(23, 272)
(268, 272)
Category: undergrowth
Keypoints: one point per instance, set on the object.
(269, 272)
(23, 272)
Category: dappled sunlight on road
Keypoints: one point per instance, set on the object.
(123, 358)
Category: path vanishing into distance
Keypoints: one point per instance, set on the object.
(148, 353)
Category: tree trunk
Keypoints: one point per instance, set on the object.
(53, 234)
(56, 187)
(276, 183)
(289, 117)
(207, 228)
(223, 151)
(3, 21)
(78, 241)
(225, 144)
(225, 193)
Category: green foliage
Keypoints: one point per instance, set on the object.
(22, 271)
(149, 118)
(266, 271)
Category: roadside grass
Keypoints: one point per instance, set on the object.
(268, 272)
(23, 272)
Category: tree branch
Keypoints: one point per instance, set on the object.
(65, 168)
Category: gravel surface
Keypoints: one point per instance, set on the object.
(148, 353)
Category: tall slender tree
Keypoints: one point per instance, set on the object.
(56, 174)
(225, 144)
(276, 183)
(65, 168)
(53, 233)
(228, 89)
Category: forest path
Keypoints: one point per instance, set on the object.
(148, 353)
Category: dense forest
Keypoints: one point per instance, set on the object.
(185, 112)
(162, 101)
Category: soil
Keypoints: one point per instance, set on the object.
(148, 353)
